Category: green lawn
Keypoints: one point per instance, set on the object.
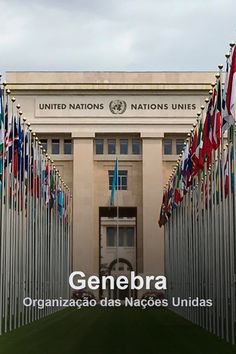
(112, 331)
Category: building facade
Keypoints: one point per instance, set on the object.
(87, 120)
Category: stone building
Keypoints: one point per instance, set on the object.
(87, 120)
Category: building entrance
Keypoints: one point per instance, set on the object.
(118, 247)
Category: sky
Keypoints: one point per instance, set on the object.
(120, 35)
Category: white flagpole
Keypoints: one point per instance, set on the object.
(117, 224)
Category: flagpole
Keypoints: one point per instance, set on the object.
(232, 217)
(3, 211)
(117, 224)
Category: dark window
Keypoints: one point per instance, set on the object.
(126, 236)
(121, 237)
(136, 146)
(122, 180)
(111, 237)
(123, 146)
(55, 146)
(67, 147)
(167, 147)
(111, 146)
(129, 236)
(179, 146)
(44, 143)
(99, 146)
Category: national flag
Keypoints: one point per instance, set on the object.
(207, 134)
(66, 204)
(184, 166)
(232, 168)
(35, 171)
(60, 202)
(229, 94)
(163, 211)
(114, 183)
(52, 188)
(217, 185)
(2, 126)
(189, 167)
(15, 149)
(217, 116)
(20, 156)
(26, 152)
(45, 181)
(6, 128)
(10, 142)
(197, 157)
(226, 174)
(170, 197)
(177, 192)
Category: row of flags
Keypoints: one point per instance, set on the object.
(205, 143)
(24, 168)
(35, 221)
(199, 213)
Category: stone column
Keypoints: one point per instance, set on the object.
(153, 236)
(83, 203)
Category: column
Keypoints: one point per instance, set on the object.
(83, 202)
(153, 236)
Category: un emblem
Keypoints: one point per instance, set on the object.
(117, 106)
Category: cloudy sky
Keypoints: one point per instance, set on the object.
(115, 34)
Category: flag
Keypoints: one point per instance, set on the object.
(20, 156)
(60, 202)
(189, 167)
(232, 168)
(35, 170)
(15, 149)
(197, 157)
(46, 184)
(163, 211)
(217, 116)
(26, 152)
(66, 205)
(184, 166)
(177, 192)
(2, 126)
(226, 174)
(229, 94)
(207, 134)
(6, 128)
(170, 198)
(10, 142)
(114, 183)
(52, 188)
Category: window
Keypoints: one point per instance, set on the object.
(44, 143)
(55, 146)
(136, 146)
(126, 236)
(179, 146)
(67, 147)
(99, 146)
(111, 146)
(111, 237)
(129, 236)
(122, 179)
(123, 146)
(167, 146)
